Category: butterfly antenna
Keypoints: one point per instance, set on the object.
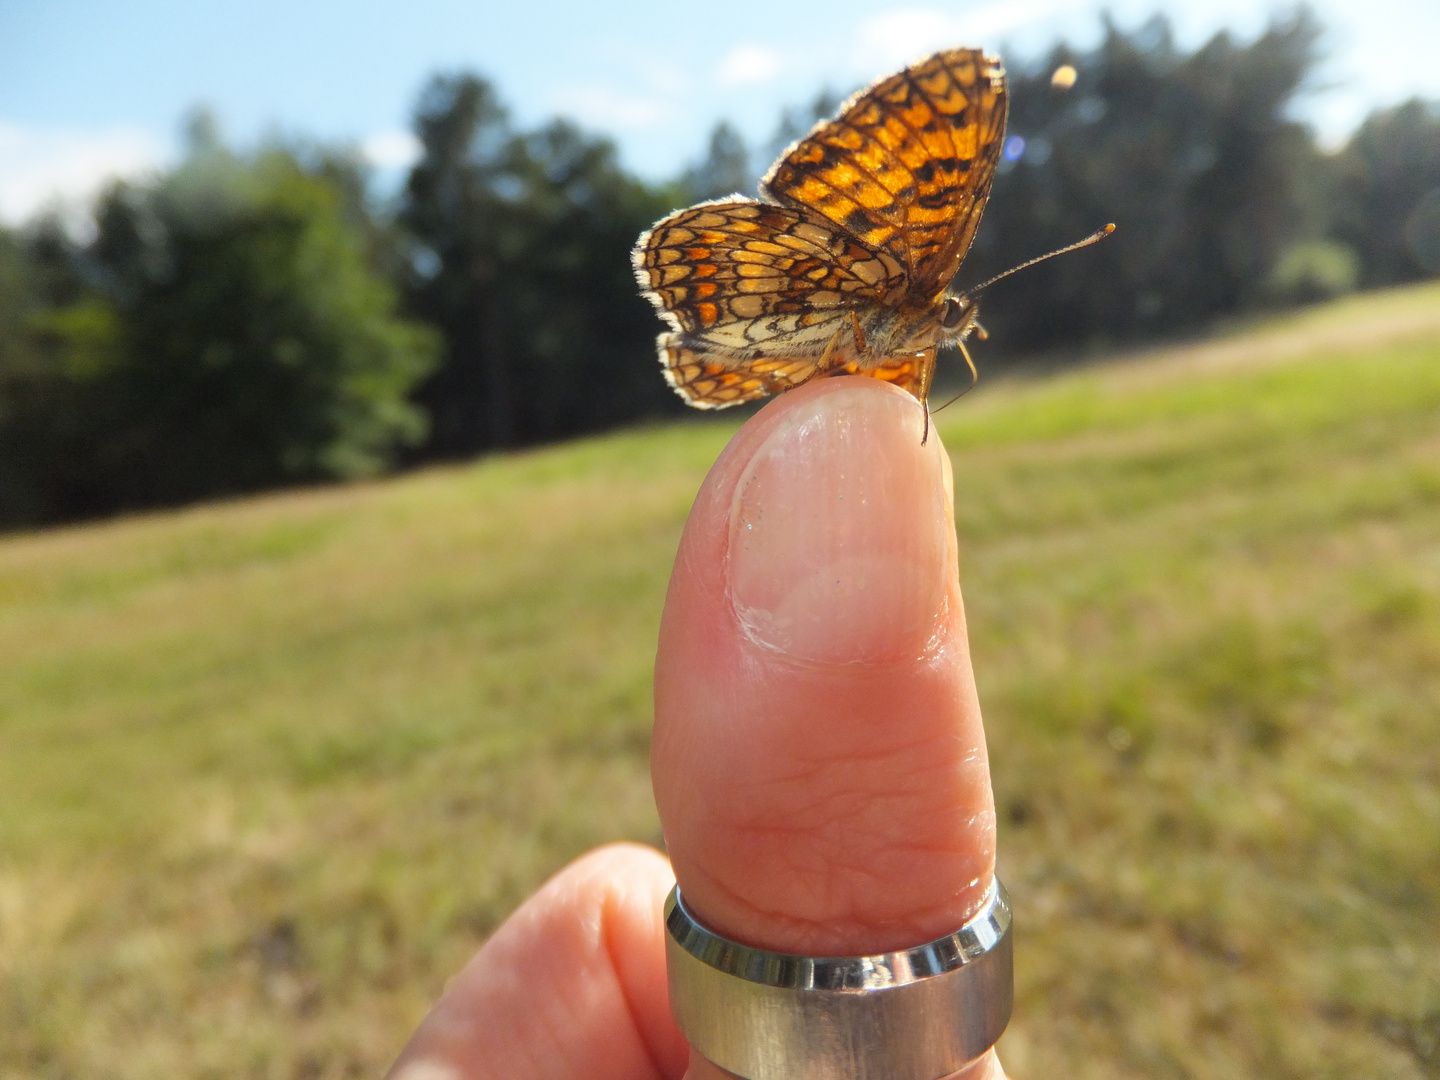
(1093, 238)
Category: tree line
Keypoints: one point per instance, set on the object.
(255, 319)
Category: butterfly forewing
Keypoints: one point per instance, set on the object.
(907, 165)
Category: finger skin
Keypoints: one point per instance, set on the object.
(572, 985)
(838, 805)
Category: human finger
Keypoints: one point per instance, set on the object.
(819, 761)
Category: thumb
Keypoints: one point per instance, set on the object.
(819, 762)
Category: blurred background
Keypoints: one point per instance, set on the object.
(338, 490)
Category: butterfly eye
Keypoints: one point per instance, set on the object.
(952, 312)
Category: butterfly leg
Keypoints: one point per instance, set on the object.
(829, 348)
(779, 386)
(974, 378)
(819, 368)
(859, 334)
(974, 375)
(815, 372)
(927, 376)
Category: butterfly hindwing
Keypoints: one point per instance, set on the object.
(755, 293)
(707, 381)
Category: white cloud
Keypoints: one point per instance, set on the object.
(990, 24)
(67, 168)
(895, 38)
(599, 106)
(749, 65)
(391, 149)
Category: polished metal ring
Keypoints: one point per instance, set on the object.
(920, 1014)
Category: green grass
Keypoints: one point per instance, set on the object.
(270, 770)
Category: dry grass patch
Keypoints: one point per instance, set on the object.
(270, 770)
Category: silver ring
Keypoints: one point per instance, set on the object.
(920, 1014)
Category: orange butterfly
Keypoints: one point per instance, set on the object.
(843, 264)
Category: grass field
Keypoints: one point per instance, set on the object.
(270, 770)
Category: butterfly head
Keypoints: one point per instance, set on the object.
(957, 318)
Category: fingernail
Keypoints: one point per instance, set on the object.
(427, 1070)
(839, 532)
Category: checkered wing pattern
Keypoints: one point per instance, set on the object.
(864, 223)
(757, 295)
(907, 165)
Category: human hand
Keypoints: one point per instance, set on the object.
(818, 760)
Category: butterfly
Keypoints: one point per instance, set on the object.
(844, 263)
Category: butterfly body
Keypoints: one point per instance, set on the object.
(843, 265)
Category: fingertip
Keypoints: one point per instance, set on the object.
(818, 760)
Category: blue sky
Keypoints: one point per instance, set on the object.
(90, 88)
